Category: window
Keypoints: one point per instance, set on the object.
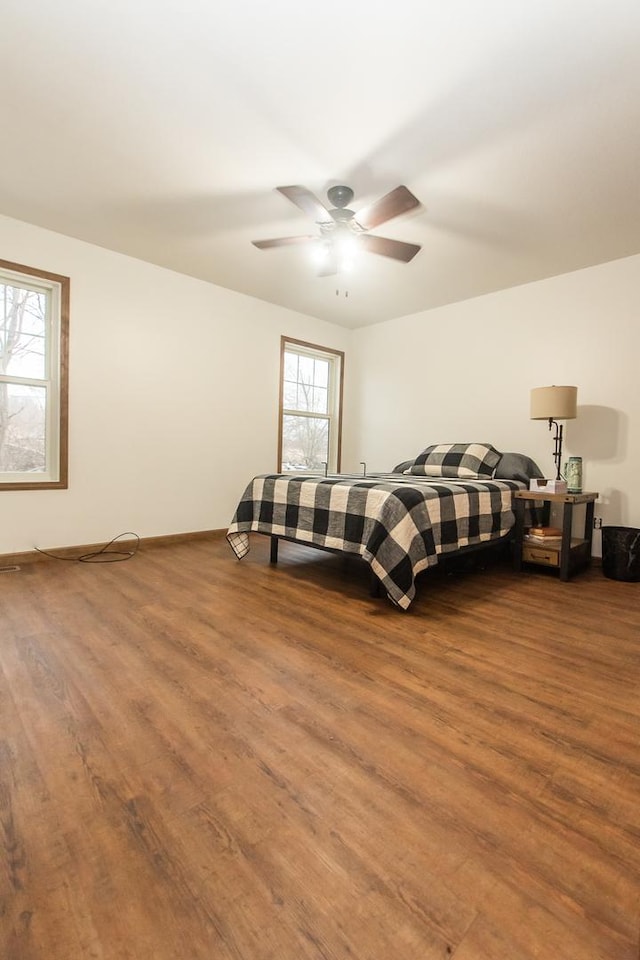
(34, 333)
(310, 407)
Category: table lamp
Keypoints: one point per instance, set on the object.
(553, 404)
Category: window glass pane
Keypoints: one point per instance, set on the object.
(22, 428)
(290, 395)
(290, 366)
(305, 397)
(305, 443)
(320, 400)
(22, 332)
(321, 373)
(305, 370)
(25, 357)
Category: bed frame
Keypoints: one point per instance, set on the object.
(376, 588)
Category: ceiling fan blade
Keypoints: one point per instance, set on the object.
(307, 202)
(396, 249)
(400, 200)
(280, 242)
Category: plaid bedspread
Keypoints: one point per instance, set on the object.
(398, 524)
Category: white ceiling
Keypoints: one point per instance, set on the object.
(160, 129)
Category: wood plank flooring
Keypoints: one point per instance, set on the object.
(206, 759)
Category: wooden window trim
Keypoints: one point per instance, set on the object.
(320, 349)
(62, 483)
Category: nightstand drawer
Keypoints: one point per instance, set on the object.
(540, 554)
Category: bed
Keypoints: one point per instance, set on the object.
(451, 498)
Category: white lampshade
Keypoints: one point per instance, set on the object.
(554, 403)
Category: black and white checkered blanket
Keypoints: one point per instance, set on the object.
(398, 524)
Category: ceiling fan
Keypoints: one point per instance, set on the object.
(343, 231)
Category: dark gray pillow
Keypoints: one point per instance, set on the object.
(403, 466)
(516, 466)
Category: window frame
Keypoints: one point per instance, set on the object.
(55, 380)
(336, 375)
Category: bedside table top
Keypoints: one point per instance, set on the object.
(585, 497)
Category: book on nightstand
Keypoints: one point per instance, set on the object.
(545, 534)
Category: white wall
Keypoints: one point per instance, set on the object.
(173, 397)
(464, 372)
(174, 389)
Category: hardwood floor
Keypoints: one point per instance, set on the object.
(203, 759)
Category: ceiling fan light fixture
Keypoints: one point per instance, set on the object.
(343, 233)
(344, 248)
(346, 244)
(321, 252)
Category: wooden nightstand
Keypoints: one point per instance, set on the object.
(568, 555)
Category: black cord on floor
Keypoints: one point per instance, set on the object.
(103, 555)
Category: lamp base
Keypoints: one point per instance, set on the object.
(557, 446)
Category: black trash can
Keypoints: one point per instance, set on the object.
(621, 553)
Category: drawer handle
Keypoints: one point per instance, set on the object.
(541, 556)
